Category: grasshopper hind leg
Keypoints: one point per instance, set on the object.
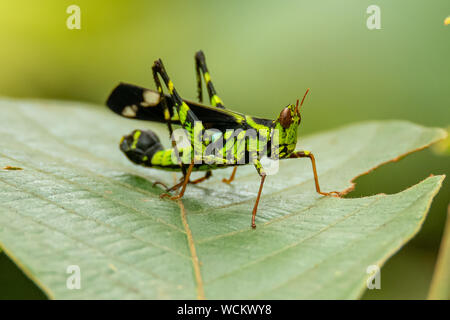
(202, 70)
(182, 184)
(179, 184)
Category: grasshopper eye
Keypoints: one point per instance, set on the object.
(285, 118)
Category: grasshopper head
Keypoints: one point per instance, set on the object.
(287, 124)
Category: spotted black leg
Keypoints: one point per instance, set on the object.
(202, 69)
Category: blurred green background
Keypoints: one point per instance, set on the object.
(262, 55)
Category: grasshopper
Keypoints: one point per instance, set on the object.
(143, 147)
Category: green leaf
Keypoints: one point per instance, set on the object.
(79, 201)
(440, 286)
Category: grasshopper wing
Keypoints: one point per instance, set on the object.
(140, 103)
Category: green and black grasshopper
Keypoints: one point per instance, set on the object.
(144, 148)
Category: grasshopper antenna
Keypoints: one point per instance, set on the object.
(301, 103)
